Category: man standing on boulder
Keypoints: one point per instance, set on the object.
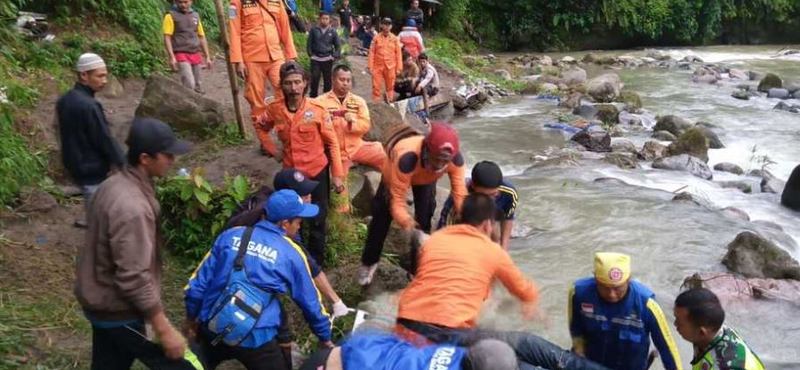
(415, 163)
(87, 149)
(612, 318)
(384, 61)
(261, 41)
(351, 119)
(118, 273)
(306, 130)
(184, 38)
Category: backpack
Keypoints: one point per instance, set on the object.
(240, 305)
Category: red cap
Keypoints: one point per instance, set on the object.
(442, 140)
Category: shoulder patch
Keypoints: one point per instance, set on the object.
(458, 160)
(232, 12)
(408, 162)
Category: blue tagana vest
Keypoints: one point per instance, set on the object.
(383, 351)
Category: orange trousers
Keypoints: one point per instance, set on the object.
(255, 87)
(387, 77)
(371, 154)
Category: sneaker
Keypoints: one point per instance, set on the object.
(365, 273)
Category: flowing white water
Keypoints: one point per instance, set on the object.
(668, 241)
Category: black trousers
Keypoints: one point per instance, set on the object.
(266, 357)
(318, 226)
(424, 206)
(117, 348)
(324, 68)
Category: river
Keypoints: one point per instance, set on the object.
(668, 241)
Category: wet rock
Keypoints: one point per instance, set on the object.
(754, 256)
(672, 124)
(36, 201)
(796, 95)
(779, 94)
(459, 102)
(728, 167)
(546, 61)
(730, 288)
(747, 186)
(607, 113)
(605, 88)
(627, 118)
(790, 197)
(755, 76)
(521, 231)
(713, 140)
(632, 100)
(574, 76)
(626, 161)
(573, 102)
(685, 162)
(770, 81)
(382, 117)
(623, 146)
(792, 87)
(589, 58)
(548, 88)
(705, 75)
(182, 108)
(736, 213)
(664, 136)
(769, 183)
(563, 160)
(593, 141)
(743, 95)
(653, 150)
(388, 278)
(585, 111)
(362, 201)
(738, 74)
(692, 59)
(687, 197)
(568, 60)
(610, 180)
(504, 74)
(489, 57)
(692, 142)
(658, 55)
(784, 106)
(775, 233)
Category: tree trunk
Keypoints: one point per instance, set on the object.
(377, 6)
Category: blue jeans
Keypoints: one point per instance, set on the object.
(533, 352)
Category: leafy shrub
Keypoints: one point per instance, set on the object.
(193, 211)
(19, 167)
(126, 58)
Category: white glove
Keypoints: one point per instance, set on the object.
(340, 309)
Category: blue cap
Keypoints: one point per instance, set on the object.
(411, 23)
(286, 204)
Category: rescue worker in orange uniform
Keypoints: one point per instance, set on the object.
(418, 163)
(260, 42)
(351, 120)
(385, 61)
(306, 130)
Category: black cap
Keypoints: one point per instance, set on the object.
(291, 67)
(386, 20)
(293, 179)
(487, 174)
(151, 136)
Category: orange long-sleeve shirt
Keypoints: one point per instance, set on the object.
(260, 31)
(305, 135)
(404, 168)
(349, 134)
(455, 271)
(386, 52)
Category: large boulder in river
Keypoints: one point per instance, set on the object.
(770, 81)
(653, 150)
(182, 108)
(573, 76)
(685, 162)
(790, 197)
(754, 256)
(626, 161)
(672, 124)
(730, 288)
(607, 113)
(692, 142)
(713, 139)
(738, 74)
(728, 167)
(624, 146)
(605, 88)
(382, 117)
(362, 201)
(784, 106)
(779, 94)
(792, 87)
(593, 141)
(769, 183)
(632, 100)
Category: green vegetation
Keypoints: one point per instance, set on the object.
(456, 56)
(19, 166)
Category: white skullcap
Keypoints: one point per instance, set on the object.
(88, 62)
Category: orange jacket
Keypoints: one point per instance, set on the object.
(305, 135)
(260, 31)
(349, 134)
(386, 52)
(403, 168)
(456, 268)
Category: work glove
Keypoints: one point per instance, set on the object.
(340, 309)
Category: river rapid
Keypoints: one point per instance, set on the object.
(574, 216)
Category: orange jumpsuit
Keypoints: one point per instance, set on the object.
(261, 38)
(305, 135)
(385, 61)
(455, 272)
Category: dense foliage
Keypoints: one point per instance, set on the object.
(19, 167)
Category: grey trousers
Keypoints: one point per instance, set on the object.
(190, 75)
(88, 195)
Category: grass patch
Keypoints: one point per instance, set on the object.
(459, 56)
(19, 166)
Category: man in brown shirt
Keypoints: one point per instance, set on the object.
(119, 269)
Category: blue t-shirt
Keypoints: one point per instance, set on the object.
(506, 203)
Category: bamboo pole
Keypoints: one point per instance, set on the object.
(223, 32)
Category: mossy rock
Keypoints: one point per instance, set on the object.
(607, 113)
(770, 81)
(551, 71)
(531, 88)
(692, 142)
(632, 100)
(606, 60)
(589, 58)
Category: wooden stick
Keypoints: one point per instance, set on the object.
(223, 32)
